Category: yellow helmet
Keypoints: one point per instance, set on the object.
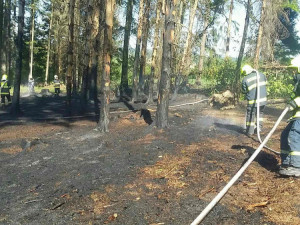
(247, 69)
(4, 77)
(295, 63)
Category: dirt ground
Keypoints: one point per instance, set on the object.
(57, 169)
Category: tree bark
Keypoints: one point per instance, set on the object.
(189, 37)
(137, 52)
(229, 29)
(241, 53)
(203, 39)
(260, 34)
(100, 54)
(76, 48)
(9, 38)
(85, 74)
(154, 53)
(31, 39)
(164, 88)
(15, 109)
(144, 46)
(1, 35)
(4, 41)
(124, 76)
(94, 51)
(105, 82)
(49, 48)
(70, 69)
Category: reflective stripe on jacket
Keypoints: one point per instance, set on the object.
(249, 88)
(296, 112)
(56, 83)
(5, 86)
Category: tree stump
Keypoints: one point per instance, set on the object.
(223, 101)
(45, 92)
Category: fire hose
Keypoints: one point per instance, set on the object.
(218, 197)
(238, 174)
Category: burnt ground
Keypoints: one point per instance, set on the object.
(57, 169)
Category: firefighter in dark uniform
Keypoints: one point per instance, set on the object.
(5, 90)
(290, 137)
(56, 85)
(249, 88)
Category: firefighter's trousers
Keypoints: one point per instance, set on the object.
(3, 96)
(290, 144)
(251, 118)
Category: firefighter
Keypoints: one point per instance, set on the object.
(249, 88)
(290, 136)
(5, 89)
(56, 85)
(31, 85)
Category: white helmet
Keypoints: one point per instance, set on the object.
(55, 77)
(4, 77)
(247, 69)
(295, 63)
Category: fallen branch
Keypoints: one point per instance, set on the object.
(58, 205)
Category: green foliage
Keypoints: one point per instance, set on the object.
(219, 74)
(280, 84)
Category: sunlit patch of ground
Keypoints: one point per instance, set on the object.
(12, 150)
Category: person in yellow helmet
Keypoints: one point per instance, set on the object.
(249, 88)
(290, 136)
(5, 89)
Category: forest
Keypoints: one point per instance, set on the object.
(130, 138)
(131, 48)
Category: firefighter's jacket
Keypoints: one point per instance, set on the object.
(249, 88)
(56, 83)
(4, 87)
(296, 111)
(290, 138)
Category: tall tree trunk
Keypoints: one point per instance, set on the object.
(154, 53)
(229, 29)
(189, 37)
(203, 38)
(144, 46)
(183, 63)
(137, 52)
(178, 28)
(164, 88)
(100, 54)
(94, 50)
(31, 39)
(9, 40)
(15, 109)
(1, 35)
(70, 69)
(4, 41)
(124, 76)
(76, 51)
(85, 75)
(49, 48)
(241, 53)
(59, 57)
(260, 34)
(105, 82)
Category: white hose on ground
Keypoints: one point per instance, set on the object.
(258, 112)
(238, 174)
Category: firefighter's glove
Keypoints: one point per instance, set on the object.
(295, 103)
(292, 105)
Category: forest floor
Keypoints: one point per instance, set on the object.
(60, 170)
